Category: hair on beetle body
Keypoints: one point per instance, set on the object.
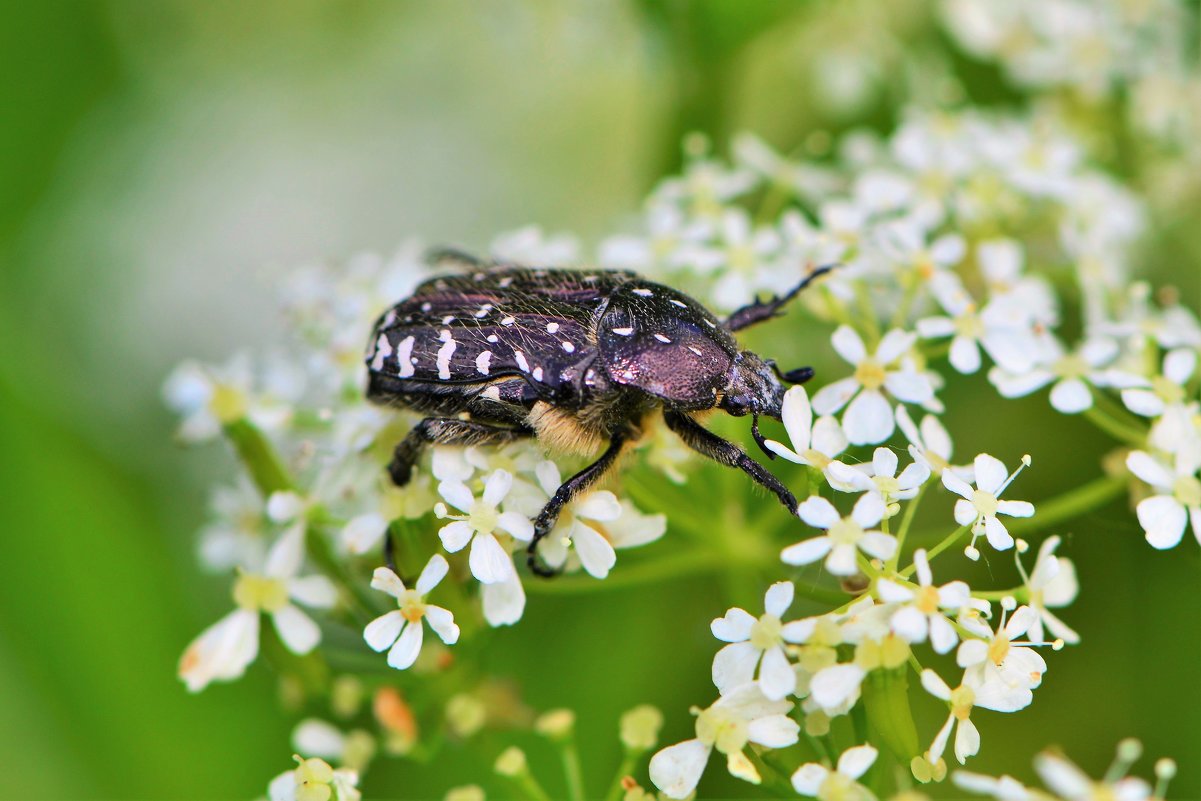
(579, 359)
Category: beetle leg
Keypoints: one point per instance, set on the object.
(573, 486)
(446, 431)
(760, 310)
(705, 442)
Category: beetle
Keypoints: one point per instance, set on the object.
(580, 359)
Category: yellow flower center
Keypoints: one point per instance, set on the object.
(816, 458)
(1071, 366)
(260, 593)
(838, 787)
(985, 503)
(998, 649)
(726, 733)
(313, 777)
(1167, 390)
(962, 699)
(969, 325)
(411, 606)
(228, 404)
(888, 485)
(483, 517)
(765, 633)
(845, 532)
(927, 600)
(741, 258)
(870, 373)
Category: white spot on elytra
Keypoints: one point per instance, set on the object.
(552, 328)
(710, 323)
(504, 282)
(493, 338)
(622, 332)
(695, 350)
(521, 362)
(404, 357)
(491, 393)
(444, 353)
(478, 276)
(483, 312)
(448, 319)
(537, 374)
(383, 349)
(483, 361)
(570, 348)
(679, 303)
(426, 307)
(662, 339)
(646, 293)
(508, 321)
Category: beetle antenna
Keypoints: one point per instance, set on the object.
(760, 440)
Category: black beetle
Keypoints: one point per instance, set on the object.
(497, 352)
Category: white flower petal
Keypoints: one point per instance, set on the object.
(868, 419)
(677, 769)
(1015, 508)
(734, 626)
(596, 553)
(1143, 402)
(384, 580)
(893, 345)
(818, 512)
(878, 544)
(806, 551)
(777, 678)
(848, 344)
(841, 561)
(1163, 519)
(934, 685)
(797, 416)
(442, 621)
(314, 591)
(854, 762)
(909, 386)
(909, 624)
(893, 593)
(942, 634)
(455, 535)
(1179, 364)
(774, 731)
(516, 524)
(602, 506)
(434, 571)
(956, 485)
(457, 495)
(965, 355)
(884, 462)
(363, 532)
(1070, 396)
(832, 397)
(809, 778)
(489, 562)
(404, 653)
(504, 603)
(383, 631)
(832, 686)
(998, 536)
(990, 473)
(828, 436)
(1062, 777)
(497, 487)
(1149, 469)
(285, 556)
(296, 629)
(734, 665)
(778, 598)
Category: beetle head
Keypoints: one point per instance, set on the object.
(754, 388)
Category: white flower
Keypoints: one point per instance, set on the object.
(903, 242)
(1003, 671)
(980, 506)
(1068, 781)
(930, 444)
(1165, 515)
(820, 782)
(737, 718)
(1004, 788)
(236, 536)
(1001, 329)
(813, 444)
(529, 245)
(1052, 584)
(869, 417)
(400, 630)
(844, 535)
(314, 737)
(756, 644)
(921, 613)
(314, 780)
(211, 396)
(961, 700)
(1071, 372)
(741, 257)
(592, 526)
(503, 601)
(1152, 398)
(224, 650)
(490, 562)
(879, 477)
(1001, 262)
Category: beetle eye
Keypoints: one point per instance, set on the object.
(797, 376)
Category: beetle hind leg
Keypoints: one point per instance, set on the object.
(570, 488)
(446, 431)
(709, 444)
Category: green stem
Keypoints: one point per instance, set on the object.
(628, 760)
(1115, 428)
(259, 457)
(906, 522)
(1072, 504)
(946, 542)
(572, 770)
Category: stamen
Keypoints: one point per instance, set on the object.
(1025, 463)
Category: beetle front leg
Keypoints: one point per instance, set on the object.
(573, 486)
(446, 431)
(758, 311)
(705, 442)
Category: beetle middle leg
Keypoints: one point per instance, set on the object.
(446, 431)
(709, 444)
(758, 311)
(573, 486)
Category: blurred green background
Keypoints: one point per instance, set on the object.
(163, 163)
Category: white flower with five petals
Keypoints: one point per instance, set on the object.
(813, 444)
(879, 477)
(1177, 502)
(921, 612)
(1002, 671)
(979, 506)
(844, 535)
(869, 417)
(1051, 584)
(756, 643)
(961, 701)
(490, 562)
(400, 630)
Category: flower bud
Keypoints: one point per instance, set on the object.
(557, 724)
(640, 728)
(511, 762)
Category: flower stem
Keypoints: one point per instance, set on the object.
(1072, 504)
(572, 771)
(628, 760)
(1115, 428)
(906, 522)
(259, 457)
(946, 542)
